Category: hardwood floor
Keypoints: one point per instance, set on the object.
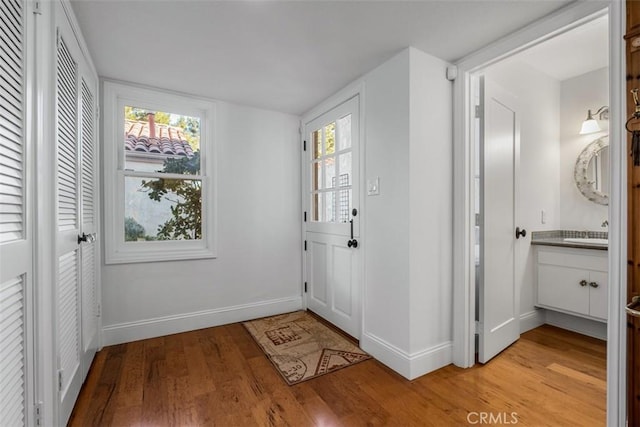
(219, 376)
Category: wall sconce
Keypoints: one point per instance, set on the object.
(590, 125)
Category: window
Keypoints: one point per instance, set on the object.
(159, 186)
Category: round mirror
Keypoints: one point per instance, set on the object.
(592, 171)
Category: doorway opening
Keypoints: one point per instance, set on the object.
(539, 191)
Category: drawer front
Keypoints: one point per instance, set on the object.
(560, 287)
(585, 259)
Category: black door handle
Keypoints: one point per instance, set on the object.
(520, 233)
(87, 238)
(352, 243)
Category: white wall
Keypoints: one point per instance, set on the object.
(540, 164)
(258, 268)
(407, 307)
(431, 208)
(386, 260)
(587, 91)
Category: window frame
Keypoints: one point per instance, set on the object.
(117, 251)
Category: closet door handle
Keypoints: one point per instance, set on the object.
(593, 284)
(583, 283)
(87, 238)
(520, 233)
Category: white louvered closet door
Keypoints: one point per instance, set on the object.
(89, 218)
(16, 302)
(68, 219)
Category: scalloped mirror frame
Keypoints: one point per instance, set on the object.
(580, 177)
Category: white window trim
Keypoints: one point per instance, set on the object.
(117, 251)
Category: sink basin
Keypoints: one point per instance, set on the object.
(592, 241)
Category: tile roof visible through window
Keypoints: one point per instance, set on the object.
(154, 138)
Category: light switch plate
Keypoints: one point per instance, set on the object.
(373, 186)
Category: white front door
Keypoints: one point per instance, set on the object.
(499, 293)
(332, 217)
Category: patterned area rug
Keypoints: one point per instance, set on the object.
(301, 347)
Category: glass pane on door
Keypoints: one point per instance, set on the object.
(345, 169)
(330, 172)
(329, 207)
(316, 179)
(317, 143)
(330, 139)
(344, 132)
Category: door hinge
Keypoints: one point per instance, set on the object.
(305, 245)
(98, 310)
(478, 112)
(97, 113)
(478, 327)
(305, 216)
(36, 8)
(60, 379)
(305, 287)
(38, 413)
(304, 145)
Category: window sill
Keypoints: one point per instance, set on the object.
(142, 253)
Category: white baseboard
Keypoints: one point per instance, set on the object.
(160, 326)
(531, 320)
(410, 366)
(583, 326)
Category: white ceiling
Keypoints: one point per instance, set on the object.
(283, 55)
(575, 52)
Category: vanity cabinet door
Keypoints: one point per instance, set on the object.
(561, 287)
(598, 294)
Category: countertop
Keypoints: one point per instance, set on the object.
(559, 241)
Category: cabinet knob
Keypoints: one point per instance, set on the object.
(583, 282)
(593, 284)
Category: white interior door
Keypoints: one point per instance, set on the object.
(89, 218)
(331, 165)
(76, 339)
(16, 212)
(499, 295)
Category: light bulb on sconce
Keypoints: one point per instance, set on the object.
(590, 125)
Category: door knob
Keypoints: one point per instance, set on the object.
(91, 237)
(520, 233)
(583, 283)
(593, 284)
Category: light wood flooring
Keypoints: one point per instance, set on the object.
(219, 376)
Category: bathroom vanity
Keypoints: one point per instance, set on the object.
(571, 276)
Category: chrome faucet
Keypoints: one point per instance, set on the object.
(605, 223)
